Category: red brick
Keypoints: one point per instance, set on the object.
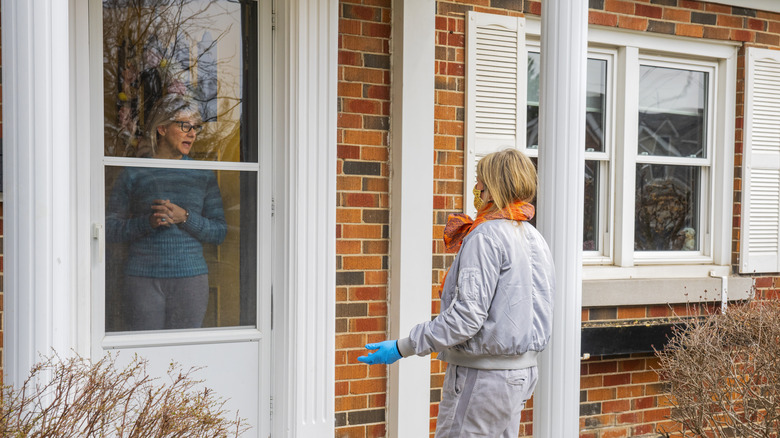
(617, 379)
(367, 386)
(377, 30)
(691, 4)
(348, 151)
(754, 24)
(716, 33)
(602, 367)
(643, 403)
(619, 6)
(657, 414)
(366, 75)
(768, 39)
(364, 137)
(354, 121)
(601, 394)
(742, 35)
(361, 106)
(347, 26)
(690, 30)
(627, 418)
(644, 377)
(602, 18)
(648, 11)
(362, 44)
(633, 23)
(368, 324)
(679, 15)
(362, 231)
(347, 57)
(615, 406)
(731, 21)
(361, 262)
(368, 293)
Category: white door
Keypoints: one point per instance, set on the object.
(183, 206)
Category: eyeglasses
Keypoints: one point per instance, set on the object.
(187, 126)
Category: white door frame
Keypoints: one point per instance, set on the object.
(48, 247)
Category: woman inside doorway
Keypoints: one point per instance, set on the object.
(165, 215)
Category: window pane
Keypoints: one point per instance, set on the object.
(672, 112)
(667, 208)
(201, 49)
(590, 234)
(596, 103)
(180, 274)
(532, 109)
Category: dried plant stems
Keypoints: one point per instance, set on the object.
(723, 373)
(72, 397)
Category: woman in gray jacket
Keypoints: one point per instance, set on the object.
(496, 306)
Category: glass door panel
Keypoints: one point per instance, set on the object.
(180, 161)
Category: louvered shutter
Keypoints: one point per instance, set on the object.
(495, 90)
(760, 234)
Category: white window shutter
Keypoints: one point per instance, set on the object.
(760, 216)
(496, 64)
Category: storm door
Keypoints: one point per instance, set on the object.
(181, 154)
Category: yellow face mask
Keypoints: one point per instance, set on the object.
(478, 202)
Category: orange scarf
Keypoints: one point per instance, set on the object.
(460, 225)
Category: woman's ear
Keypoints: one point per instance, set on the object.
(161, 130)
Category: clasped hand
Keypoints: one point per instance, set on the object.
(165, 213)
(386, 353)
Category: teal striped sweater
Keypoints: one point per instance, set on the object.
(165, 252)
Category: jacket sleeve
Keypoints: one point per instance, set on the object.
(478, 271)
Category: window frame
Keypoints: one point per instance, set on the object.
(706, 195)
(721, 137)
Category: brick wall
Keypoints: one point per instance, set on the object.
(620, 395)
(362, 229)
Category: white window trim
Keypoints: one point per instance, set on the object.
(636, 46)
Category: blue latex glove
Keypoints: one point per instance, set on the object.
(387, 353)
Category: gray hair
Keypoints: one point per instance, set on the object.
(166, 110)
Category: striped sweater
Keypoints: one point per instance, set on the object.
(165, 252)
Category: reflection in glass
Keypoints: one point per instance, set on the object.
(590, 233)
(667, 208)
(595, 115)
(215, 242)
(204, 49)
(672, 112)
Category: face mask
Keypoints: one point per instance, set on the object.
(478, 198)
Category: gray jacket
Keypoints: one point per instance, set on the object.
(497, 301)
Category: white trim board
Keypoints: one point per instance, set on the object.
(759, 5)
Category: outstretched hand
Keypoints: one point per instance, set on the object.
(386, 353)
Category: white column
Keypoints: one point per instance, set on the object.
(561, 173)
(37, 183)
(305, 298)
(411, 209)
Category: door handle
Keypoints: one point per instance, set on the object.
(99, 234)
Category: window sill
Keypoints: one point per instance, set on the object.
(648, 285)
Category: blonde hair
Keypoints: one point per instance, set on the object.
(166, 110)
(509, 176)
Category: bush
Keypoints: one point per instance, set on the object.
(723, 373)
(76, 398)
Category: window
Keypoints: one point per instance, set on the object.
(658, 143)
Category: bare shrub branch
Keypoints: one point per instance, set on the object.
(723, 373)
(76, 398)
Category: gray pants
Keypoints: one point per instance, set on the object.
(483, 403)
(166, 303)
